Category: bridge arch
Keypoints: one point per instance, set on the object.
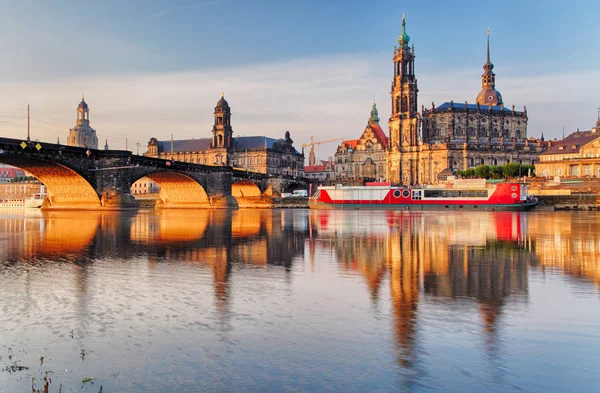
(178, 190)
(245, 189)
(65, 188)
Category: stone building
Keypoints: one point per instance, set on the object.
(577, 155)
(145, 186)
(253, 153)
(363, 159)
(82, 135)
(323, 173)
(453, 136)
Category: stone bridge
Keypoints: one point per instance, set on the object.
(78, 178)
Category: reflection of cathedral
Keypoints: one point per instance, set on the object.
(253, 153)
(450, 136)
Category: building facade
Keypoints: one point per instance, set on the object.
(452, 136)
(324, 173)
(577, 155)
(145, 186)
(8, 174)
(82, 135)
(363, 159)
(254, 153)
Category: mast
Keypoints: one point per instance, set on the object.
(28, 125)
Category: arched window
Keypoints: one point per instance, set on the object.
(404, 104)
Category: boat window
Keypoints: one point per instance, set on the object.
(456, 193)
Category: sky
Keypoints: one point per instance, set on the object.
(156, 68)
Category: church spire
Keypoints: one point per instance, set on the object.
(404, 38)
(488, 94)
(374, 115)
(488, 62)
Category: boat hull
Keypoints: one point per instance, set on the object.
(476, 196)
(485, 207)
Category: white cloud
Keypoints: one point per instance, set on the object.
(322, 97)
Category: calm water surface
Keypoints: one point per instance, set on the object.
(297, 300)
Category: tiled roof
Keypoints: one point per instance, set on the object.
(239, 143)
(379, 134)
(572, 144)
(184, 145)
(350, 143)
(458, 105)
(317, 168)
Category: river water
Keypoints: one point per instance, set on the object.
(299, 300)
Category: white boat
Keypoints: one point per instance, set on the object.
(35, 201)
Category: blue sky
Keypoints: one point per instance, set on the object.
(313, 67)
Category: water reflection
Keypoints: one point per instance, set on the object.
(475, 265)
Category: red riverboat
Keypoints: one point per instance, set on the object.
(462, 194)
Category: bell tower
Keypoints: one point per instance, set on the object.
(488, 94)
(222, 133)
(404, 120)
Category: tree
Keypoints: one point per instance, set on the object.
(483, 171)
(512, 169)
(497, 172)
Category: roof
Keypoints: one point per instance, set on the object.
(239, 143)
(457, 105)
(222, 103)
(379, 134)
(317, 168)
(573, 143)
(184, 145)
(350, 143)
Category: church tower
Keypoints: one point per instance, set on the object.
(82, 135)
(404, 141)
(222, 133)
(404, 121)
(488, 94)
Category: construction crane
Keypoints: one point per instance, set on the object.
(311, 157)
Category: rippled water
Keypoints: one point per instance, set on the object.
(298, 300)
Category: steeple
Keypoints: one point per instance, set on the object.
(403, 123)
(404, 38)
(222, 131)
(106, 145)
(488, 94)
(374, 115)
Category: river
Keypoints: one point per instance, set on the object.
(299, 300)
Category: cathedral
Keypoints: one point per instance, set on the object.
(253, 153)
(452, 136)
(82, 135)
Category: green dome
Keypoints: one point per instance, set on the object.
(404, 38)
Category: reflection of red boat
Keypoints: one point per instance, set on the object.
(462, 195)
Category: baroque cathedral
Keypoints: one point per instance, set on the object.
(253, 153)
(82, 135)
(452, 136)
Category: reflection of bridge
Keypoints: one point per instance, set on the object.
(80, 178)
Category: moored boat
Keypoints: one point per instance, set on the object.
(35, 201)
(462, 194)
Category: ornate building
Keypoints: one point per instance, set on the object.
(577, 155)
(454, 137)
(324, 173)
(253, 153)
(82, 135)
(363, 159)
